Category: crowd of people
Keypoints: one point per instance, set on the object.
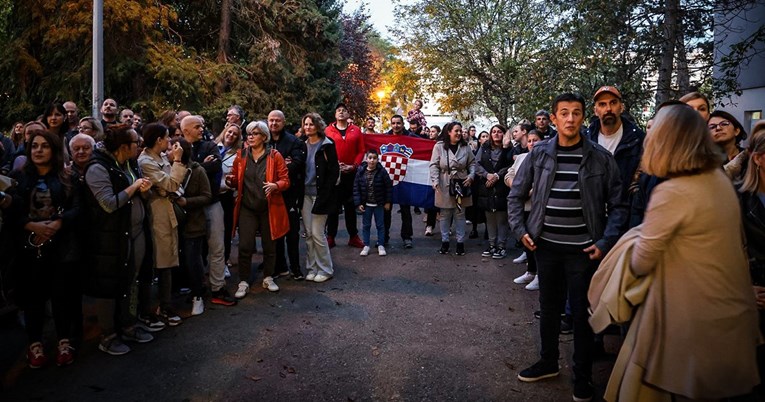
(161, 202)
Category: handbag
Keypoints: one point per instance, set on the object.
(456, 186)
(180, 213)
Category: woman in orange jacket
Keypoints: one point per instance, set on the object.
(260, 176)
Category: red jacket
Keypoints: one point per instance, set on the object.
(350, 150)
(276, 172)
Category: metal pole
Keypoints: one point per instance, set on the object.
(98, 58)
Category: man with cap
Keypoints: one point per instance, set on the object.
(349, 143)
(542, 123)
(618, 135)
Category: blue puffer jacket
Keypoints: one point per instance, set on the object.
(382, 184)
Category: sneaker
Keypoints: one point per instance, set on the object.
(460, 249)
(226, 272)
(499, 254)
(582, 391)
(566, 326)
(444, 248)
(534, 284)
(520, 259)
(381, 251)
(242, 290)
(408, 243)
(355, 241)
(489, 251)
(525, 278)
(150, 322)
(428, 231)
(281, 274)
(539, 371)
(64, 355)
(222, 297)
(331, 241)
(364, 251)
(268, 283)
(197, 306)
(310, 277)
(170, 316)
(298, 276)
(137, 334)
(322, 277)
(184, 291)
(36, 355)
(113, 345)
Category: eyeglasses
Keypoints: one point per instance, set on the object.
(83, 128)
(724, 123)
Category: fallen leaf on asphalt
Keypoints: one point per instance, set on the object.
(321, 291)
(337, 303)
(511, 309)
(268, 329)
(375, 353)
(509, 365)
(259, 361)
(256, 379)
(291, 370)
(282, 375)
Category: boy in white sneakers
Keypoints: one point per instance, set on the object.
(372, 192)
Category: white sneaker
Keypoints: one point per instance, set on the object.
(268, 283)
(381, 250)
(428, 230)
(521, 259)
(197, 306)
(534, 285)
(242, 290)
(310, 277)
(226, 272)
(364, 251)
(322, 277)
(525, 278)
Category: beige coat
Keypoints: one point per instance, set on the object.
(164, 227)
(698, 330)
(445, 165)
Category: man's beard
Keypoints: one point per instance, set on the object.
(609, 119)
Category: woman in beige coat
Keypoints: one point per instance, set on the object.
(452, 158)
(166, 180)
(697, 332)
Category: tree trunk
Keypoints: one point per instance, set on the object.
(224, 41)
(664, 82)
(683, 74)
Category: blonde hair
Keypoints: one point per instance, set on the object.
(679, 144)
(222, 135)
(756, 145)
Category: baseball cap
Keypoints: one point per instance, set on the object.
(607, 89)
(341, 105)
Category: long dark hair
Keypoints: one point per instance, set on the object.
(64, 127)
(444, 136)
(56, 158)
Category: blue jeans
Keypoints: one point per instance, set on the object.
(378, 213)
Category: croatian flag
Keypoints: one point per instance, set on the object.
(406, 159)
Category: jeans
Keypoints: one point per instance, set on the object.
(250, 222)
(378, 213)
(292, 239)
(318, 260)
(562, 273)
(497, 226)
(345, 198)
(216, 249)
(406, 223)
(459, 224)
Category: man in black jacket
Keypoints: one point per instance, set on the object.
(206, 154)
(294, 153)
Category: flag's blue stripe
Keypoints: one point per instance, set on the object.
(417, 195)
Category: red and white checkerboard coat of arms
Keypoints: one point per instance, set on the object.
(394, 158)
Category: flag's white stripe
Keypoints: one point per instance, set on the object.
(417, 172)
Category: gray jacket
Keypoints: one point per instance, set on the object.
(599, 184)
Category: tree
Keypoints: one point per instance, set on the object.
(360, 74)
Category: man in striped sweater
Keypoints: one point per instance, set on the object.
(576, 213)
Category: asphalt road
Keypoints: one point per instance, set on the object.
(413, 325)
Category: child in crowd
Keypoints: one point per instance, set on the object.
(372, 191)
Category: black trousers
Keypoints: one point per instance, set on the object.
(292, 240)
(227, 202)
(345, 198)
(562, 273)
(406, 223)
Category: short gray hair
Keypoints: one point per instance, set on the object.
(85, 137)
(260, 126)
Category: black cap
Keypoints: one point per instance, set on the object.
(341, 104)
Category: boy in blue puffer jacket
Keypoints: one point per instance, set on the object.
(372, 191)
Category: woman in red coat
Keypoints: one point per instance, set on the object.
(260, 176)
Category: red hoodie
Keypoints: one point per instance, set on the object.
(350, 150)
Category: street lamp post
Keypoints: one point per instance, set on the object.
(381, 95)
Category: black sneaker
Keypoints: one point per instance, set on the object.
(499, 254)
(408, 243)
(489, 251)
(539, 371)
(281, 274)
(222, 297)
(460, 249)
(298, 276)
(582, 391)
(444, 248)
(169, 315)
(150, 322)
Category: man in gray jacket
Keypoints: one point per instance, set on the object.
(576, 213)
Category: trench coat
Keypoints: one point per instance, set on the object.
(445, 165)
